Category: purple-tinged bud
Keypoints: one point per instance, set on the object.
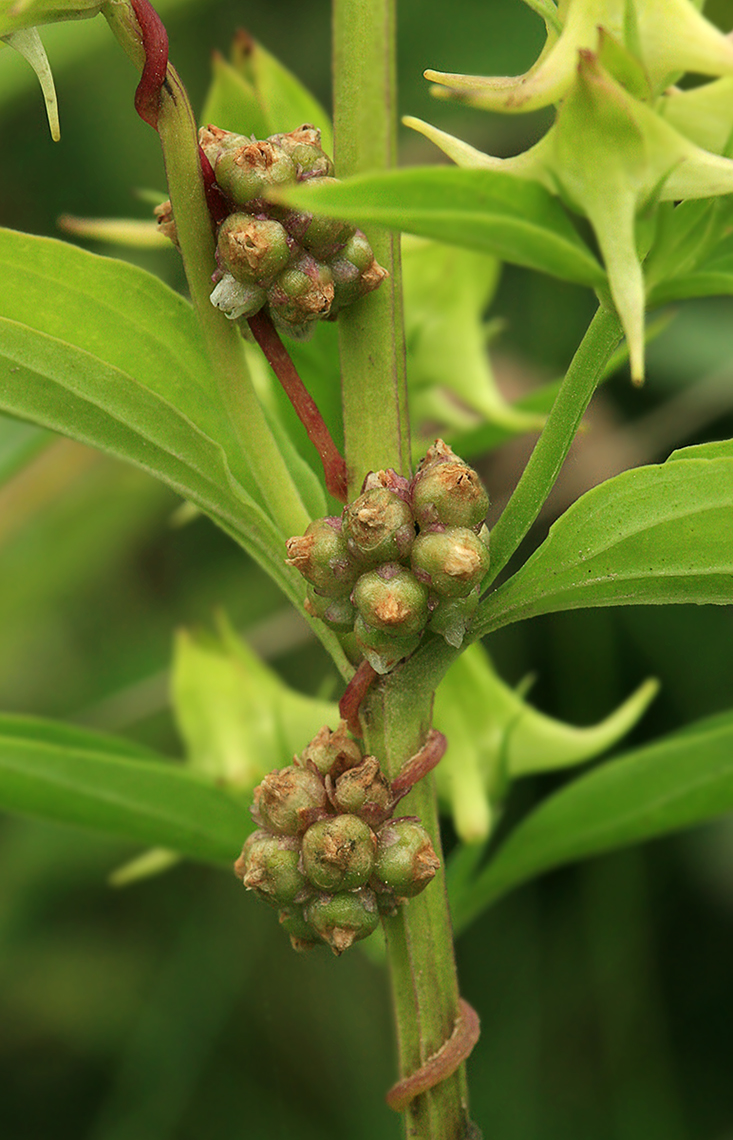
(337, 613)
(268, 865)
(452, 617)
(322, 557)
(344, 918)
(364, 791)
(338, 853)
(302, 935)
(391, 599)
(390, 480)
(451, 562)
(301, 293)
(288, 801)
(253, 250)
(355, 271)
(379, 527)
(406, 859)
(332, 752)
(382, 650)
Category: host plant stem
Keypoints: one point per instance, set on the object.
(376, 428)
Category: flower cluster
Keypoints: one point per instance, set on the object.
(626, 139)
(327, 852)
(404, 556)
(301, 267)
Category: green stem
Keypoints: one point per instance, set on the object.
(419, 937)
(538, 478)
(371, 333)
(396, 713)
(179, 142)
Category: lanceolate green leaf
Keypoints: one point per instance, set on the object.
(680, 781)
(89, 784)
(485, 210)
(655, 535)
(19, 444)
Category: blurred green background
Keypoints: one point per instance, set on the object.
(175, 1009)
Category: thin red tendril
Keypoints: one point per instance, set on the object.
(334, 467)
(155, 45)
(443, 1063)
(354, 694)
(431, 753)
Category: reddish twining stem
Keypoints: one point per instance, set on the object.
(354, 694)
(431, 753)
(443, 1063)
(215, 200)
(334, 467)
(155, 45)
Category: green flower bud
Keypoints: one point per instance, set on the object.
(303, 146)
(332, 752)
(302, 935)
(338, 613)
(406, 859)
(355, 271)
(452, 562)
(338, 854)
(236, 299)
(301, 293)
(322, 557)
(391, 599)
(447, 492)
(288, 801)
(253, 250)
(382, 650)
(379, 527)
(452, 616)
(268, 865)
(343, 919)
(364, 791)
(251, 170)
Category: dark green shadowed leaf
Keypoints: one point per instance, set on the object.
(76, 778)
(485, 210)
(680, 781)
(656, 535)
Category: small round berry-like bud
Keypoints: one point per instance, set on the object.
(452, 616)
(332, 752)
(268, 865)
(365, 791)
(338, 613)
(383, 650)
(322, 557)
(301, 293)
(406, 859)
(344, 918)
(303, 146)
(391, 599)
(379, 527)
(355, 271)
(449, 493)
(249, 171)
(288, 801)
(452, 562)
(236, 299)
(253, 250)
(338, 853)
(302, 935)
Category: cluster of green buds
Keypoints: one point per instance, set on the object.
(404, 556)
(300, 267)
(328, 853)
